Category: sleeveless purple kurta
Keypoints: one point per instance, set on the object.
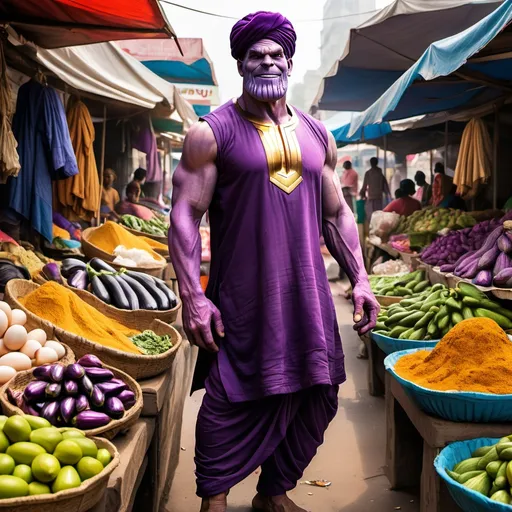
(267, 273)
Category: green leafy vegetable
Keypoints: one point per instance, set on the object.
(151, 344)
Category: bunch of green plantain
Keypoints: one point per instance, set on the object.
(431, 315)
(408, 285)
(488, 471)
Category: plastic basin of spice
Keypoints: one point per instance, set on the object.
(389, 345)
(464, 406)
(467, 499)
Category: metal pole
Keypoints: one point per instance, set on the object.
(445, 146)
(495, 158)
(102, 158)
(431, 166)
(385, 154)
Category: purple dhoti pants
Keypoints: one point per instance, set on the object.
(280, 433)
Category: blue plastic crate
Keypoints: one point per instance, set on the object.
(389, 345)
(454, 405)
(467, 499)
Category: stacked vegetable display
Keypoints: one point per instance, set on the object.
(124, 289)
(409, 285)
(431, 315)
(155, 226)
(491, 263)
(19, 349)
(446, 250)
(84, 394)
(488, 471)
(38, 458)
(433, 220)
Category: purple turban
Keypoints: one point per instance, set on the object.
(262, 25)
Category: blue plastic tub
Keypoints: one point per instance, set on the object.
(466, 499)
(454, 405)
(389, 345)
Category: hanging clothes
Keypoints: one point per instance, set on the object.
(143, 139)
(474, 161)
(45, 152)
(9, 159)
(79, 197)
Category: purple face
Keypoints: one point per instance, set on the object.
(265, 70)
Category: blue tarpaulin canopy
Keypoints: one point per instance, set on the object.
(445, 79)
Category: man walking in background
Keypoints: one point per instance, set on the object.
(375, 187)
(424, 192)
(349, 183)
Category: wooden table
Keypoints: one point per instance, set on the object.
(414, 440)
(376, 372)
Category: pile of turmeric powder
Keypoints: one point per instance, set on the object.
(109, 235)
(476, 355)
(63, 308)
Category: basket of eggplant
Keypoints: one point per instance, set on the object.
(88, 395)
(125, 292)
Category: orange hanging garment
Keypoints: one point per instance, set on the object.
(79, 197)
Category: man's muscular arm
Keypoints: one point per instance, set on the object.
(342, 240)
(193, 186)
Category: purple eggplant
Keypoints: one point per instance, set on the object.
(483, 278)
(447, 267)
(504, 278)
(52, 391)
(488, 259)
(82, 404)
(114, 408)
(39, 406)
(128, 398)
(51, 272)
(99, 374)
(70, 388)
(78, 279)
(505, 244)
(90, 361)
(50, 412)
(86, 386)
(97, 397)
(27, 409)
(75, 371)
(57, 372)
(503, 262)
(70, 266)
(87, 420)
(43, 372)
(112, 388)
(67, 409)
(35, 391)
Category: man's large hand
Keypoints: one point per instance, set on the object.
(199, 314)
(366, 308)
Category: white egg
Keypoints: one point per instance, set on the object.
(38, 335)
(30, 348)
(55, 345)
(4, 323)
(6, 374)
(6, 309)
(16, 360)
(3, 349)
(45, 355)
(15, 337)
(18, 317)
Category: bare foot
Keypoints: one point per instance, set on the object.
(215, 503)
(275, 504)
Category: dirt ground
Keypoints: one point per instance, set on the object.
(351, 457)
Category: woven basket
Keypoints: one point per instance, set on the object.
(387, 300)
(91, 251)
(80, 499)
(138, 366)
(156, 238)
(109, 431)
(125, 316)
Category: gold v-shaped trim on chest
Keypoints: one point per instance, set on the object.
(282, 149)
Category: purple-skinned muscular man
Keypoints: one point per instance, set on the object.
(270, 352)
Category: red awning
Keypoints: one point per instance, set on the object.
(59, 23)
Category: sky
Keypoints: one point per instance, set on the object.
(215, 33)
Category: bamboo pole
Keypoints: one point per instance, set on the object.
(102, 158)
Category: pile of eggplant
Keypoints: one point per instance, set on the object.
(124, 289)
(83, 395)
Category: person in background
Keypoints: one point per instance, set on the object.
(405, 205)
(453, 200)
(375, 187)
(441, 186)
(131, 206)
(349, 184)
(139, 176)
(109, 195)
(399, 193)
(424, 192)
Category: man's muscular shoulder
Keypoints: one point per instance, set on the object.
(200, 146)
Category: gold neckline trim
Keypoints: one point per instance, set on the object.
(294, 118)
